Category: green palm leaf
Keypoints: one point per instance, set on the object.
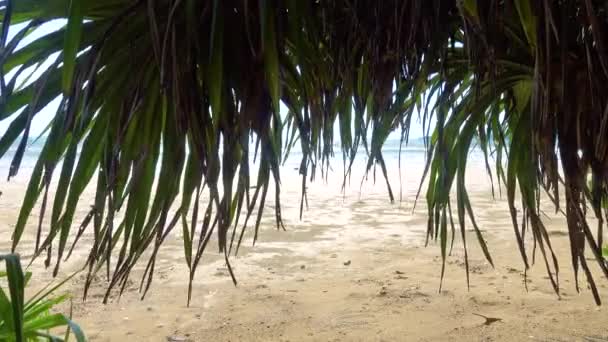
(194, 89)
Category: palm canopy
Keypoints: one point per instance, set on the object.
(192, 87)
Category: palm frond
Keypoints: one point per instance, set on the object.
(194, 88)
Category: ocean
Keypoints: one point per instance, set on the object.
(412, 153)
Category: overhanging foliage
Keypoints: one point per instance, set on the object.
(185, 85)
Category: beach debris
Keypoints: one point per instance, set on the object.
(489, 320)
(413, 292)
(302, 267)
(513, 270)
(176, 339)
(346, 263)
(399, 272)
(595, 339)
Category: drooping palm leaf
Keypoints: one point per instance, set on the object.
(194, 88)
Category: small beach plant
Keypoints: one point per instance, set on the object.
(34, 319)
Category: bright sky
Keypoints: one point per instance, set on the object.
(43, 118)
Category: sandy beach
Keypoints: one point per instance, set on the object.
(355, 268)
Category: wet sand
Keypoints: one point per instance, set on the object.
(355, 268)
